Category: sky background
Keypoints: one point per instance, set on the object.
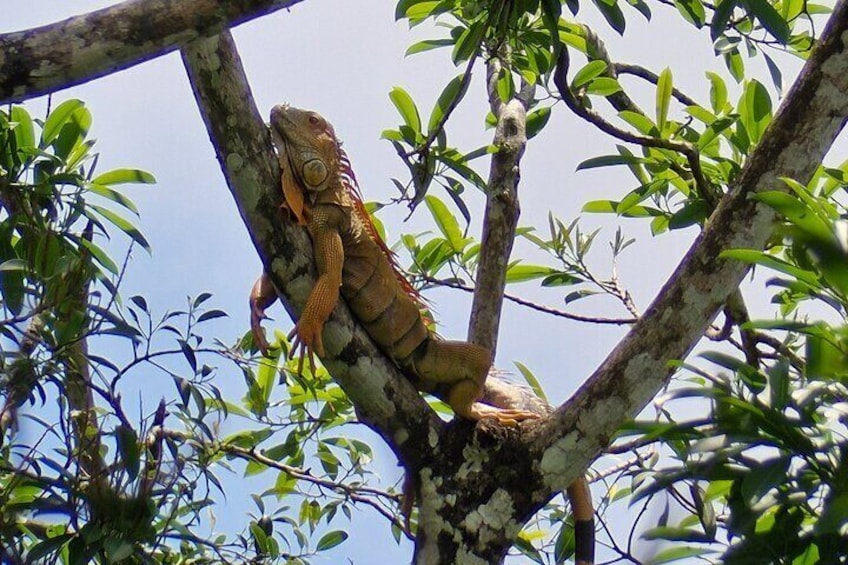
(342, 58)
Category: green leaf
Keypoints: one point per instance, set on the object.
(536, 120)
(505, 85)
(774, 72)
(607, 161)
(692, 11)
(639, 121)
(531, 380)
(468, 43)
(600, 206)
(770, 19)
(427, 45)
(590, 71)
(331, 540)
(735, 64)
(677, 553)
(13, 265)
(451, 95)
(764, 477)
(663, 99)
(123, 225)
(755, 109)
(760, 258)
(24, 129)
(128, 448)
(612, 14)
(603, 86)
(101, 256)
(123, 176)
(446, 222)
(692, 213)
(521, 273)
(112, 195)
(718, 92)
(58, 118)
(720, 18)
(406, 107)
(796, 212)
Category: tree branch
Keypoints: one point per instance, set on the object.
(811, 116)
(501, 217)
(41, 60)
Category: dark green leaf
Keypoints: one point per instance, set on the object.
(450, 96)
(128, 448)
(720, 18)
(536, 120)
(211, 315)
(612, 14)
(770, 19)
(331, 539)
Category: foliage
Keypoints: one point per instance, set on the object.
(84, 477)
(758, 476)
(765, 459)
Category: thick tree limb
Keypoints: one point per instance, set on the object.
(383, 397)
(45, 59)
(502, 210)
(811, 116)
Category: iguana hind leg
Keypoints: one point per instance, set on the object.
(464, 367)
(262, 296)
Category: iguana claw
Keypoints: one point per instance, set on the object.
(505, 417)
(307, 339)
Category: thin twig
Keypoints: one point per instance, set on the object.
(534, 306)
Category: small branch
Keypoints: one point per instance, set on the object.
(502, 210)
(534, 306)
(353, 493)
(684, 147)
(652, 77)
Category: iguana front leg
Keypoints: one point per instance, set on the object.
(329, 257)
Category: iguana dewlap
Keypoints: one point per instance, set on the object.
(319, 188)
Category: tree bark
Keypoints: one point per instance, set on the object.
(52, 57)
(502, 210)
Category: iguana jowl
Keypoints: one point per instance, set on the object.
(318, 186)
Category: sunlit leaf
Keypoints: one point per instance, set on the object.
(406, 107)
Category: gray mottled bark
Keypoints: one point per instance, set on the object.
(45, 59)
(805, 126)
(501, 217)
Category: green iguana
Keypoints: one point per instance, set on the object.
(320, 192)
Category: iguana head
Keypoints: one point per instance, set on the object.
(307, 145)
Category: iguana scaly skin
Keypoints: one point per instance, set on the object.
(318, 186)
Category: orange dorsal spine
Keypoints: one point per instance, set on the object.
(349, 181)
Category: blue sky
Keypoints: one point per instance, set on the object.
(342, 58)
